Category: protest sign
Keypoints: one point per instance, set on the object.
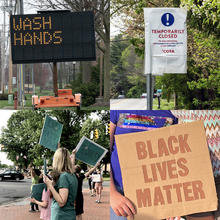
(51, 133)
(167, 172)
(165, 40)
(96, 178)
(89, 152)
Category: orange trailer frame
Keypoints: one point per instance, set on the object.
(65, 98)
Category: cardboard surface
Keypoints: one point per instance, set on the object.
(167, 172)
(51, 133)
(89, 152)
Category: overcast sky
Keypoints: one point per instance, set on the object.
(4, 116)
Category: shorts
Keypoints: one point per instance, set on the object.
(216, 213)
(98, 185)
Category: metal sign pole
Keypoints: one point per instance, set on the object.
(149, 91)
(55, 88)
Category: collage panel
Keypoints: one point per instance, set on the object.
(159, 79)
(161, 159)
(109, 110)
(54, 164)
(54, 109)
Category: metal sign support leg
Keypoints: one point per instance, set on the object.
(149, 92)
(55, 88)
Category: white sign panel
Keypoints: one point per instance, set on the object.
(165, 40)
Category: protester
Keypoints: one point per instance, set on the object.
(80, 177)
(98, 186)
(45, 212)
(35, 176)
(65, 190)
(91, 185)
(122, 122)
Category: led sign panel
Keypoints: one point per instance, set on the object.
(52, 37)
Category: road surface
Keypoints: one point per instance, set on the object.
(128, 104)
(12, 190)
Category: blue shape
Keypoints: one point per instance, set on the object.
(167, 19)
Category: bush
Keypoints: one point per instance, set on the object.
(3, 96)
(89, 92)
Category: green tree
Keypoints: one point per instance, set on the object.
(119, 83)
(203, 77)
(72, 124)
(21, 137)
(101, 9)
(90, 90)
(133, 68)
(203, 15)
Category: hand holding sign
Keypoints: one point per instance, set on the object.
(121, 205)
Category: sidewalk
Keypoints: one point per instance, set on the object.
(92, 211)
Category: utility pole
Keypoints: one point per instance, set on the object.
(20, 10)
(10, 87)
(3, 51)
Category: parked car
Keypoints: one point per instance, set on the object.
(144, 95)
(11, 175)
(121, 96)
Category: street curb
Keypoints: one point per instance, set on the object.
(16, 202)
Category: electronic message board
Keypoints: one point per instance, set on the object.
(52, 37)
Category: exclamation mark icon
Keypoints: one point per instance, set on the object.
(167, 16)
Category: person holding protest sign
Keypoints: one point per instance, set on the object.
(46, 201)
(122, 122)
(35, 176)
(65, 190)
(45, 212)
(91, 185)
(98, 185)
(80, 177)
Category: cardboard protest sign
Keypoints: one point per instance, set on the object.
(51, 133)
(89, 152)
(167, 172)
(37, 191)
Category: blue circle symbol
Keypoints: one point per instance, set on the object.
(167, 19)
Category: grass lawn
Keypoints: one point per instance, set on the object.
(4, 103)
(164, 105)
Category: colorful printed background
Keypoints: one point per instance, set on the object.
(211, 120)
